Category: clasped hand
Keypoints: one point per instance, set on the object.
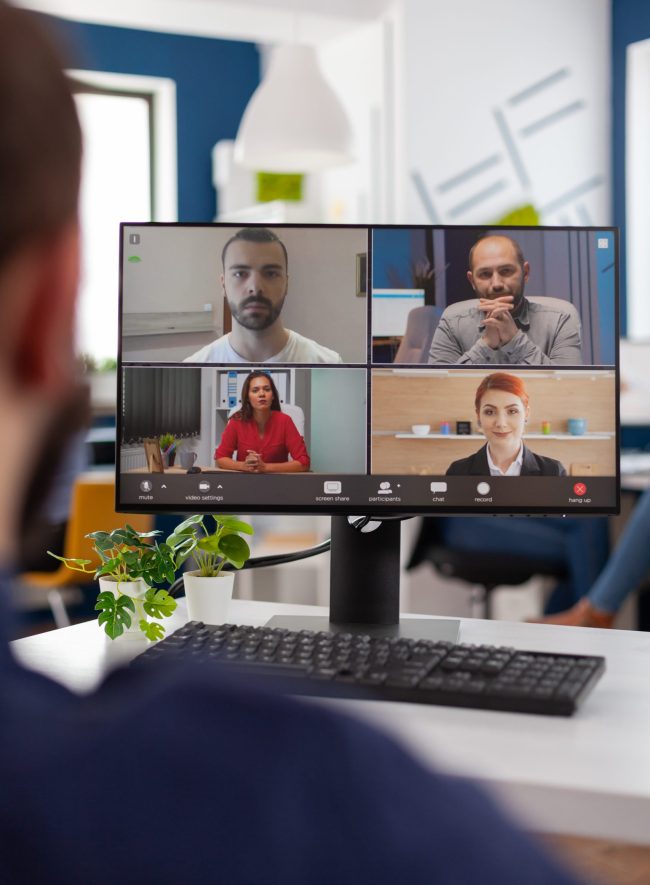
(254, 462)
(500, 328)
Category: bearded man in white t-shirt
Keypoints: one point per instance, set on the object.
(255, 281)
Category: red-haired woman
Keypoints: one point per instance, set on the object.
(502, 412)
(263, 436)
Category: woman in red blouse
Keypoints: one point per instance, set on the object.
(262, 435)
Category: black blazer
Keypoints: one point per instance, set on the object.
(533, 465)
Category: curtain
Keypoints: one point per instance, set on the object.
(157, 400)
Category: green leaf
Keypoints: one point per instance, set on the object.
(152, 630)
(115, 613)
(97, 537)
(75, 565)
(183, 549)
(158, 603)
(151, 534)
(130, 557)
(234, 524)
(212, 544)
(122, 536)
(103, 544)
(187, 525)
(235, 550)
(108, 567)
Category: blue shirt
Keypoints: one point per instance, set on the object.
(184, 776)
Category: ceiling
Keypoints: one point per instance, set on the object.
(260, 21)
(358, 10)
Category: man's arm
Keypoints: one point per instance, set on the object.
(566, 347)
(447, 348)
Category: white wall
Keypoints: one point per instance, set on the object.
(521, 88)
(359, 66)
(637, 142)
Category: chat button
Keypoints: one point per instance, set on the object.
(438, 488)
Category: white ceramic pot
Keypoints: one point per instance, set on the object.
(136, 590)
(208, 599)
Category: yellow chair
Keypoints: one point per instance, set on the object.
(92, 509)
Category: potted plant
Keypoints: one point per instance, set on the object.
(168, 446)
(208, 588)
(130, 566)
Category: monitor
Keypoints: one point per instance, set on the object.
(380, 370)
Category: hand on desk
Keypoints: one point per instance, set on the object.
(254, 462)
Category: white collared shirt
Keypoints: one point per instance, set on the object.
(513, 470)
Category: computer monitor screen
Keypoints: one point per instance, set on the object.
(376, 370)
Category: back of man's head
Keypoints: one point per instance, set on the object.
(40, 138)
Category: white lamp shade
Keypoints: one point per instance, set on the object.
(294, 121)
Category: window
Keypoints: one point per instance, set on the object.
(128, 174)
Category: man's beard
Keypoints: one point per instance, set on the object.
(256, 321)
(519, 299)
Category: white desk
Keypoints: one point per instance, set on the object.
(587, 775)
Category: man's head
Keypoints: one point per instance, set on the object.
(40, 158)
(255, 277)
(40, 154)
(497, 267)
(40, 138)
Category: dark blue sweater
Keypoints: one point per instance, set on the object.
(183, 776)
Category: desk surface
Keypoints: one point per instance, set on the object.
(587, 775)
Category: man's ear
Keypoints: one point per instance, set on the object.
(526, 271)
(43, 341)
(470, 277)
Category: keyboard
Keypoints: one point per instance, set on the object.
(389, 669)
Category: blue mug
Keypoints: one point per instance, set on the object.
(577, 426)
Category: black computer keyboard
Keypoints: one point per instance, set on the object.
(413, 670)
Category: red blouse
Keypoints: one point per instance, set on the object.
(281, 439)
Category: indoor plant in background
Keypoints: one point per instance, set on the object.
(130, 566)
(168, 446)
(217, 542)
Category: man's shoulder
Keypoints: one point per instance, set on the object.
(460, 309)
(300, 349)
(545, 304)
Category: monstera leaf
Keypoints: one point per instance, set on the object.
(158, 603)
(115, 613)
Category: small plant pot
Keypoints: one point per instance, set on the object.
(208, 599)
(136, 590)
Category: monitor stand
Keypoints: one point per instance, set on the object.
(364, 589)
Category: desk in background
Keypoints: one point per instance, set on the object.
(588, 775)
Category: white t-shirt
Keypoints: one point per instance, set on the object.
(298, 349)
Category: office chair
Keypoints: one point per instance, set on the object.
(92, 509)
(421, 323)
(508, 552)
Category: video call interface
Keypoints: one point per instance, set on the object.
(327, 368)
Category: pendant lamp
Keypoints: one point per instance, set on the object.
(294, 122)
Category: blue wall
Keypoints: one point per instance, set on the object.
(630, 23)
(214, 81)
